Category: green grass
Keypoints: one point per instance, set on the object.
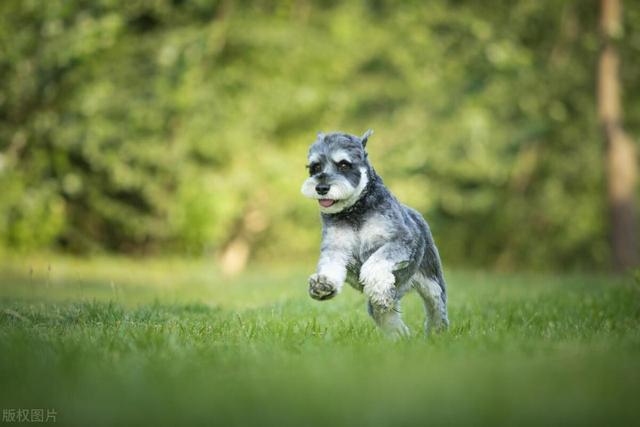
(117, 342)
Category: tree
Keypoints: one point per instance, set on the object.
(620, 151)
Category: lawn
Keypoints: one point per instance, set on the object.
(124, 342)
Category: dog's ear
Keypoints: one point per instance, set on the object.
(364, 138)
(320, 136)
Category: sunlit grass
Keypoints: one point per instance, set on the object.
(116, 341)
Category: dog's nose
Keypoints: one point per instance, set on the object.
(322, 189)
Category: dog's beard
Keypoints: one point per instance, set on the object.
(341, 192)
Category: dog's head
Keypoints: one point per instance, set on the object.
(338, 170)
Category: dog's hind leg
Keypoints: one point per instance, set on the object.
(435, 303)
(389, 321)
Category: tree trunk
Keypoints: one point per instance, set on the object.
(235, 255)
(621, 168)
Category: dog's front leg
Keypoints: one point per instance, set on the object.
(330, 275)
(379, 281)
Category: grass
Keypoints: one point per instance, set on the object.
(118, 342)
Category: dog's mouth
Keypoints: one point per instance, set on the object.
(325, 203)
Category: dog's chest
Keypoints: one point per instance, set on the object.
(361, 242)
(375, 232)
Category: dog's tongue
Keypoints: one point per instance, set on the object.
(325, 203)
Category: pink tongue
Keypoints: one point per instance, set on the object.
(325, 203)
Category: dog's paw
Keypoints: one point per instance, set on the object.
(321, 288)
(382, 299)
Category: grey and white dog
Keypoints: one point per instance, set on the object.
(369, 239)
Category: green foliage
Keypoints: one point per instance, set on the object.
(119, 342)
(167, 126)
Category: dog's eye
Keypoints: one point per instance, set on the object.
(314, 168)
(344, 165)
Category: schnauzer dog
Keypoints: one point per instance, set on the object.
(369, 239)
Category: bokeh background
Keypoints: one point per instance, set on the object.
(171, 127)
(155, 247)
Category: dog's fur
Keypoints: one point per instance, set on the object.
(369, 239)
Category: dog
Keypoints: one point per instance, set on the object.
(369, 239)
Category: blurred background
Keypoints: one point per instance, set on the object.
(180, 128)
